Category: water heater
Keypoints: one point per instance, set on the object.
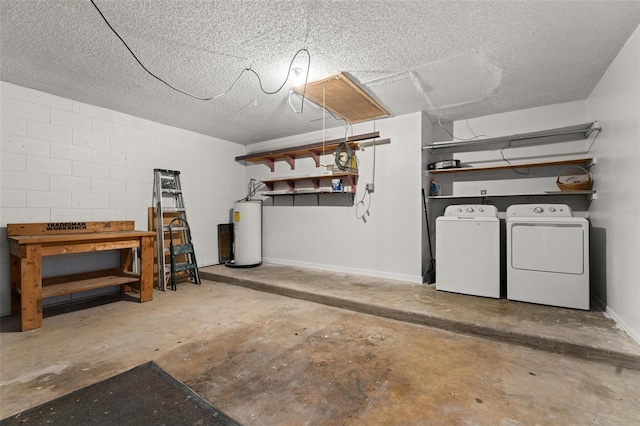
(247, 233)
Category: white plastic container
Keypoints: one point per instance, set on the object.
(247, 233)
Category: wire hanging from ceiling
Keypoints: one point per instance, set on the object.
(248, 69)
(367, 192)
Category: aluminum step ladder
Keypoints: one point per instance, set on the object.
(168, 204)
(186, 250)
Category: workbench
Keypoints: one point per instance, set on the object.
(29, 242)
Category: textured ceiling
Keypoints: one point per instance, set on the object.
(455, 60)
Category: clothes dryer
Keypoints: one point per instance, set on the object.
(547, 255)
(468, 250)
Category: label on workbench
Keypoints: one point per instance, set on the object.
(66, 226)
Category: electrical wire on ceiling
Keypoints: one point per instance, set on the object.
(248, 69)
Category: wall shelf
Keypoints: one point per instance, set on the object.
(352, 190)
(314, 150)
(584, 161)
(535, 187)
(560, 134)
(350, 176)
(528, 194)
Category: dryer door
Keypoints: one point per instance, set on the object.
(548, 247)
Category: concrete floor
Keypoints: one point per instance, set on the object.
(265, 359)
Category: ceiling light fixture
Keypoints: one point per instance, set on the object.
(297, 76)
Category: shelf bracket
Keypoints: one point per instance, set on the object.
(291, 160)
(316, 158)
(316, 182)
(291, 184)
(270, 163)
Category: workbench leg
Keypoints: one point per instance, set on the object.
(15, 285)
(126, 264)
(31, 288)
(146, 269)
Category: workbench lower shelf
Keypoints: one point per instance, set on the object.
(68, 284)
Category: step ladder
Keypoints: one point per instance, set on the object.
(175, 250)
(168, 204)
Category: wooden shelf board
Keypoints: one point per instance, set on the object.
(582, 192)
(307, 191)
(306, 150)
(94, 237)
(298, 178)
(511, 166)
(59, 289)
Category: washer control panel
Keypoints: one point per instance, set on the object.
(533, 210)
(471, 210)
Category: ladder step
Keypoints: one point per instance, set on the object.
(185, 267)
(168, 250)
(166, 191)
(183, 249)
(173, 209)
(167, 172)
(175, 228)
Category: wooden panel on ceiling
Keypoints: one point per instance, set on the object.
(344, 98)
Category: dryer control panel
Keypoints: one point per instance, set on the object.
(471, 210)
(533, 210)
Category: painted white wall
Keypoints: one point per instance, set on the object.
(525, 121)
(64, 160)
(615, 215)
(387, 242)
(522, 121)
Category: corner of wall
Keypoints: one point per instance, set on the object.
(615, 214)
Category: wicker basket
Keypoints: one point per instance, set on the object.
(581, 182)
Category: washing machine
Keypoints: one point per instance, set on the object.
(468, 250)
(547, 255)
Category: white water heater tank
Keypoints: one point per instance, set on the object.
(247, 233)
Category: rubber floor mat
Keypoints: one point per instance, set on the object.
(144, 395)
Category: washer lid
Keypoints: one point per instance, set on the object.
(471, 210)
(539, 210)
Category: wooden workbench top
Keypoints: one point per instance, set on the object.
(87, 236)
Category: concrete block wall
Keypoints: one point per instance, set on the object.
(63, 160)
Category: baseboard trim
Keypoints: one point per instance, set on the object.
(623, 325)
(414, 279)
